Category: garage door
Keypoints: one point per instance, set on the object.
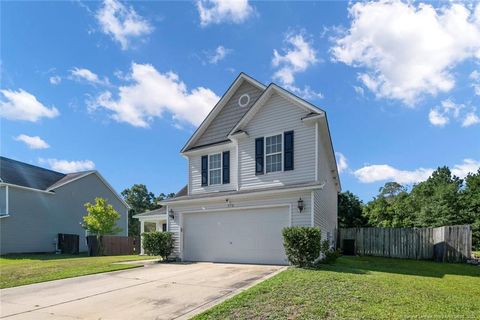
(239, 236)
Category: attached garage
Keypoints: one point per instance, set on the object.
(236, 235)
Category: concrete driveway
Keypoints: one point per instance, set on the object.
(159, 291)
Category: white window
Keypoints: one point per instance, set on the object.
(215, 168)
(273, 153)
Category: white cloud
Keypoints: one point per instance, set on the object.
(342, 164)
(470, 119)
(218, 11)
(306, 92)
(219, 54)
(440, 115)
(152, 93)
(475, 77)
(66, 166)
(381, 172)
(298, 55)
(384, 172)
(359, 90)
(87, 75)
(437, 118)
(408, 49)
(22, 105)
(122, 22)
(463, 169)
(33, 142)
(55, 79)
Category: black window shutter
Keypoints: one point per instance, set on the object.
(288, 154)
(259, 167)
(226, 167)
(204, 171)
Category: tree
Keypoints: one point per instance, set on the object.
(101, 219)
(470, 199)
(436, 201)
(390, 207)
(350, 211)
(140, 200)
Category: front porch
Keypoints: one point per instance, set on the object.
(155, 220)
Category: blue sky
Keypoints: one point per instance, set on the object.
(120, 86)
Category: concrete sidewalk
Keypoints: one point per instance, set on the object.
(159, 291)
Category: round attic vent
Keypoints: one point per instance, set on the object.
(244, 100)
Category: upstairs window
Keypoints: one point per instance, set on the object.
(215, 168)
(273, 153)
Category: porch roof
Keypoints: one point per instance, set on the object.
(153, 213)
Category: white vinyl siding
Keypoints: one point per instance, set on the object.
(173, 226)
(325, 200)
(278, 115)
(273, 153)
(195, 175)
(215, 169)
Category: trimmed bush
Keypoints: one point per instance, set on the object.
(302, 245)
(329, 254)
(158, 244)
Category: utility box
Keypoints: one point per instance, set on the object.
(348, 247)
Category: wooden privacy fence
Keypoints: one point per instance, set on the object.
(114, 245)
(445, 244)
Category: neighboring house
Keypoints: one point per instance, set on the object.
(262, 160)
(36, 204)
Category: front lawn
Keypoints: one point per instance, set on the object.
(361, 288)
(21, 269)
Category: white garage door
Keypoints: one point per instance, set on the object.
(240, 236)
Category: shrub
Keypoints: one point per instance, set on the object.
(158, 244)
(329, 254)
(302, 245)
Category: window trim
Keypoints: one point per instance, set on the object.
(219, 168)
(265, 152)
(7, 205)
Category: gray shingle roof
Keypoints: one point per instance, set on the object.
(162, 210)
(182, 192)
(27, 175)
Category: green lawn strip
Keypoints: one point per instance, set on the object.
(17, 270)
(361, 288)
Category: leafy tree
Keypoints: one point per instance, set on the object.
(350, 211)
(101, 219)
(442, 199)
(470, 198)
(140, 200)
(436, 200)
(389, 208)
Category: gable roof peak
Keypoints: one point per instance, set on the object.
(232, 89)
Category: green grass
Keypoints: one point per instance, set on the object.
(22, 269)
(361, 288)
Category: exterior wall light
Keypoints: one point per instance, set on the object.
(171, 214)
(300, 205)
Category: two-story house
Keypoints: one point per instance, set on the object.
(262, 160)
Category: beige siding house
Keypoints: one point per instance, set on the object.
(262, 160)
